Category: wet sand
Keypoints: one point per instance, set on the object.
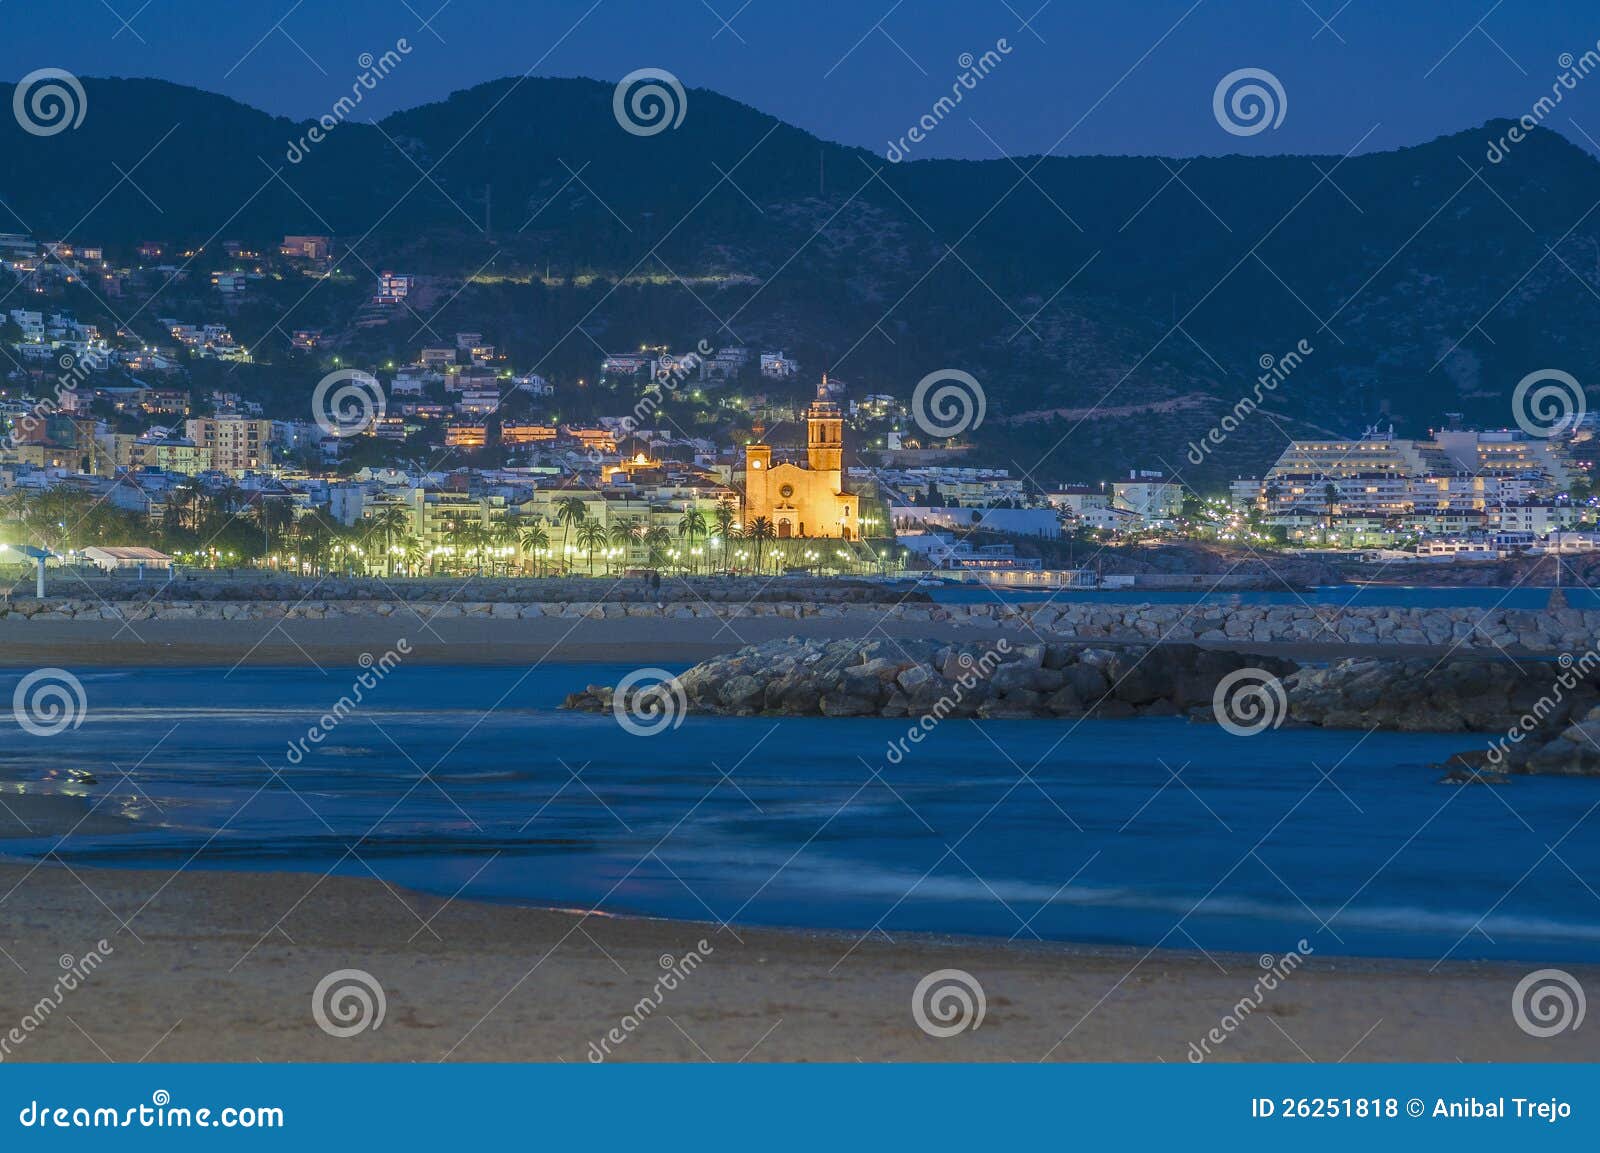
(210, 966)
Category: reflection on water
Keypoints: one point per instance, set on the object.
(1138, 832)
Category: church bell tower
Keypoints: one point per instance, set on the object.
(824, 433)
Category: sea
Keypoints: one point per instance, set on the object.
(473, 783)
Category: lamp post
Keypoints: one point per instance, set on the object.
(38, 556)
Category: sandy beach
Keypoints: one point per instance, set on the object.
(217, 966)
(209, 966)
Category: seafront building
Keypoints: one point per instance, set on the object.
(1378, 488)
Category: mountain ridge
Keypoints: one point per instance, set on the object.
(1111, 285)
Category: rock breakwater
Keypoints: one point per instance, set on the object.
(1421, 694)
(1535, 716)
(988, 679)
(1493, 631)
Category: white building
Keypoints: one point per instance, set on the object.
(1148, 494)
(778, 366)
(1537, 517)
(393, 287)
(113, 559)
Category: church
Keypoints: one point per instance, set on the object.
(809, 501)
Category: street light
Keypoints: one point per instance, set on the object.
(38, 556)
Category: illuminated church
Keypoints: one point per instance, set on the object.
(810, 501)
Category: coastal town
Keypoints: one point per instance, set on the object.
(142, 445)
(1004, 544)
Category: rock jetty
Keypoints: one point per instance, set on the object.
(1000, 678)
(1536, 717)
(1457, 695)
(1573, 751)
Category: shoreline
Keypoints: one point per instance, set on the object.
(630, 640)
(251, 623)
(220, 966)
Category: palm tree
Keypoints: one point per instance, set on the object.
(623, 529)
(181, 508)
(416, 554)
(658, 540)
(388, 524)
(591, 536)
(17, 506)
(502, 534)
(313, 540)
(274, 514)
(760, 531)
(725, 517)
(536, 540)
(624, 533)
(454, 532)
(570, 513)
(475, 537)
(692, 524)
(231, 499)
(465, 537)
(349, 546)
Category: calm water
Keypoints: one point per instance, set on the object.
(1403, 596)
(1250, 849)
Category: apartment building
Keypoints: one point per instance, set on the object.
(169, 454)
(466, 436)
(236, 443)
(1150, 495)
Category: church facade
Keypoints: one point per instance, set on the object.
(809, 501)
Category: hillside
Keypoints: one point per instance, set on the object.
(1112, 311)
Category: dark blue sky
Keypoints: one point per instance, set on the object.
(1134, 76)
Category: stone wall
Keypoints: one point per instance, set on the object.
(252, 586)
(1566, 630)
